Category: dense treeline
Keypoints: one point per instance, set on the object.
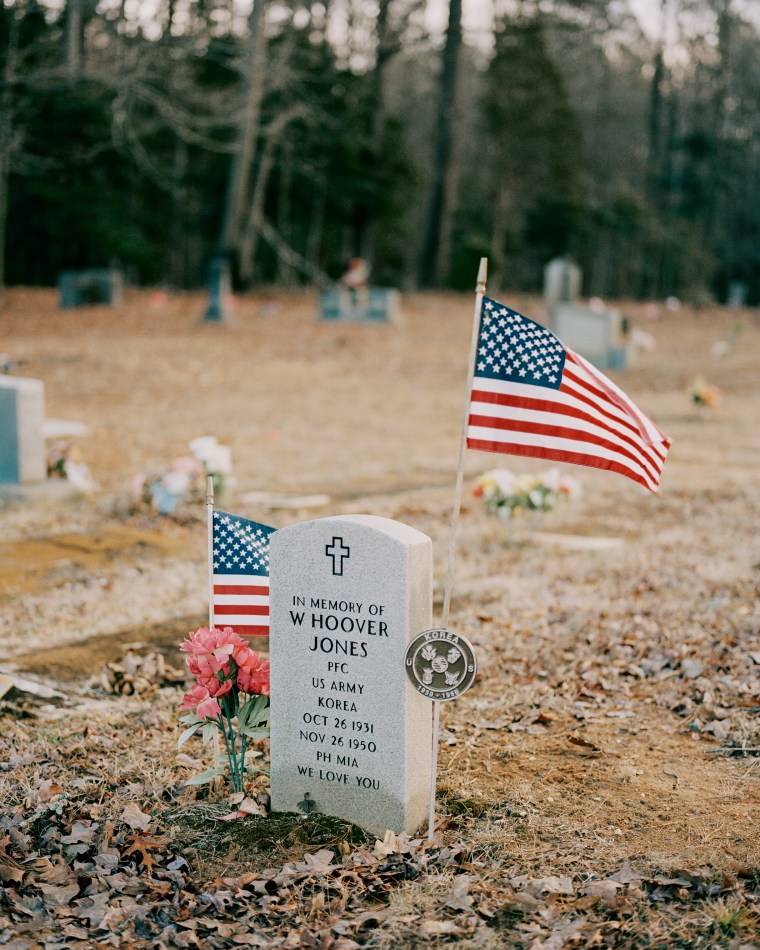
(290, 136)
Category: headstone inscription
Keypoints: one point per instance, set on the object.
(22, 442)
(350, 737)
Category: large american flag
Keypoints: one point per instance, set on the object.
(240, 551)
(533, 396)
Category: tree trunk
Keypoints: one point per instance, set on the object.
(178, 248)
(656, 107)
(285, 276)
(242, 161)
(316, 222)
(74, 38)
(366, 239)
(6, 134)
(498, 263)
(436, 243)
(250, 233)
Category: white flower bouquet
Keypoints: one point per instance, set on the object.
(506, 495)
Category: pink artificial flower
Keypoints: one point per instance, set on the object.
(205, 667)
(210, 651)
(216, 688)
(219, 642)
(196, 695)
(227, 641)
(202, 641)
(242, 654)
(208, 709)
(253, 676)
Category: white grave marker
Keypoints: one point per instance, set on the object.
(349, 735)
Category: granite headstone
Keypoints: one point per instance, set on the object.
(96, 285)
(562, 282)
(219, 291)
(373, 305)
(598, 335)
(22, 441)
(349, 735)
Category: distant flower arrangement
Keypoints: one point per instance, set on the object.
(64, 461)
(215, 458)
(702, 394)
(7, 363)
(506, 495)
(186, 478)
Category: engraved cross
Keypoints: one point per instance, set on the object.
(338, 552)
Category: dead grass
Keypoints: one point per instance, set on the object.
(616, 716)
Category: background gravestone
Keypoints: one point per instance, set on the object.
(562, 283)
(22, 442)
(350, 736)
(219, 290)
(84, 288)
(598, 335)
(373, 305)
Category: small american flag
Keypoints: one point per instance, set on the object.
(533, 396)
(241, 574)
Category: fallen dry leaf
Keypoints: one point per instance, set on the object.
(434, 928)
(458, 897)
(583, 743)
(136, 819)
(142, 845)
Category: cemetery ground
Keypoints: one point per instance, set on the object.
(599, 785)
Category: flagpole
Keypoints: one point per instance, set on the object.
(480, 289)
(210, 524)
(216, 784)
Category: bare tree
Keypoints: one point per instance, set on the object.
(247, 133)
(436, 240)
(7, 143)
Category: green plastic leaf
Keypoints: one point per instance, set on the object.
(254, 713)
(191, 719)
(209, 728)
(205, 777)
(190, 731)
(255, 732)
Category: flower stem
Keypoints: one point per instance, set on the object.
(237, 782)
(226, 747)
(243, 750)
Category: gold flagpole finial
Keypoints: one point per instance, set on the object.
(210, 490)
(480, 287)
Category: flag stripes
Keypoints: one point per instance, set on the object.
(240, 578)
(532, 397)
(242, 602)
